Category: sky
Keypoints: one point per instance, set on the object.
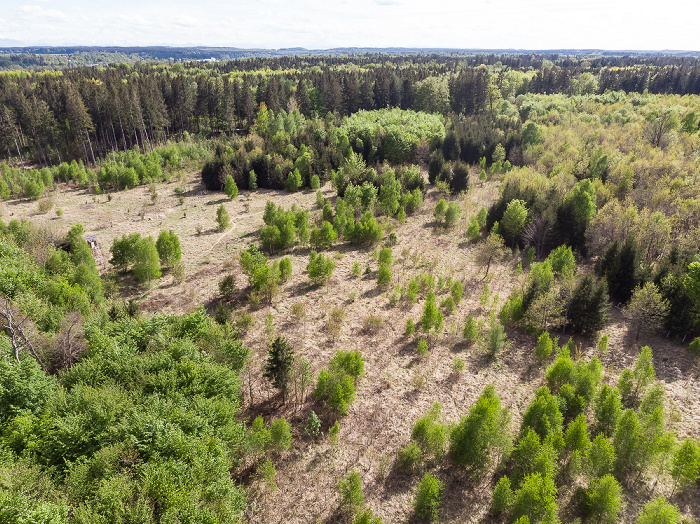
(319, 24)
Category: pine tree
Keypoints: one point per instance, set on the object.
(279, 364)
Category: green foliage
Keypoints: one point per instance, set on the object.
(351, 496)
(365, 231)
(503, 496)
(576, 437)
(430, 432)
(470, 332)
(431, 319)
(452, 214)
(315, 182)
(320, 268)
(686, 463)
(280, 434)
(168, 246)
(456, 291)
(536, 499)
(366, 516)
(694, 346)
(222, 218)
(543, 348)
(146, 260)
(285, 269)
(473, 230)
(410, 327)
(658, 511)
(323, 237)
(543, 415)
(428, 498)
(230, 187)
(252, 180)
(604, 499)
(313, 425)
(409, 458)
(422, 350)
(608, 409)
(384, 276)
(336, 384)
(562, 260)
(486, 428)
(279, 363)
(496, 338)
(600, 457)
(439, 211)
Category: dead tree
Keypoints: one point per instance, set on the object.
(15, 328)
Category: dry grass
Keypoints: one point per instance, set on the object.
(398, 387)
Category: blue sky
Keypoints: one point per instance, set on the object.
(317, 24)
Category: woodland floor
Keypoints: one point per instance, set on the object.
(398, 386)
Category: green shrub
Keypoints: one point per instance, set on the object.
(431, 319)
(486, 428)
(410, 328)
(281, 434)
(146, 260)
(313, 425)
(470, 332)
(315, 182)
(452, 214)
(607, 410)
(351, 496)
(536, 499)
(544, 347)
(168, 246)
(439, 211)
(600, 458)
(222, 218)
(604, 500)
(430, 432)
(320, 268)
(694, 346)
(457, 291)
(230, 187)
(409, 458)
(285, 269)
(428, 498)
(686, 464)
(503, 496)
(658, 511)
(422, 350)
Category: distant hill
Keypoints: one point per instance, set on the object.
(13, 55)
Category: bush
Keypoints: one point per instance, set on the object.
(607, 410)
(543, 348)
(222, 218)
(470, 332)
(658, 511)
(285, 268)
(600, 457)
(536, 499)
(315, 182)
(281, 434)
(422, 350)
(439, 211)
(409, 458)
(503, 496)
(457, 291)
(686, 464)
(366, 517)
(168, 246)
(146, 260)
(543, 414)
(428, 497)
(320, 268)
(485, 428)
(313, 425)
(351, 496)
(496, 338)
(430, 432)
(410, 328)
(431, 319)
(452, 214)
(604, 499)
(230, 187)
(323, 237)
(336, 384)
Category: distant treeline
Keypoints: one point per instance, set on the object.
(88, 112)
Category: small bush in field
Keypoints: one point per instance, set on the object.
(428, 497)
(409, 458)
(351, 496)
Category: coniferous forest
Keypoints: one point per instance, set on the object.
(350, 287)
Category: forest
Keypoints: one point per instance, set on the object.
(428, 287)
